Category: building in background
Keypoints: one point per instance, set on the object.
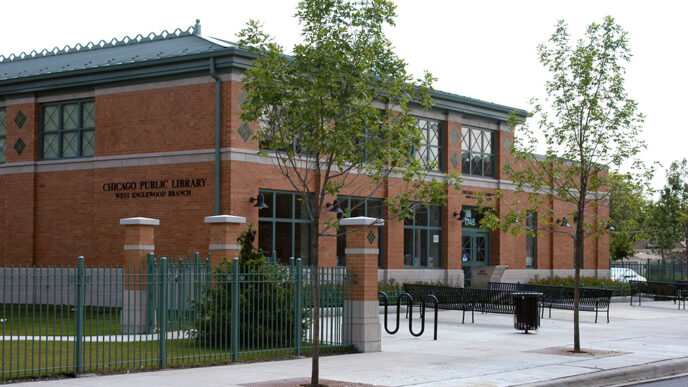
(125, 128)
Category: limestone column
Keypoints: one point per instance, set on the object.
(139, 241)
(224, 231)
(361, 260)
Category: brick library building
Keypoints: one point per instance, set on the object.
(149, 127)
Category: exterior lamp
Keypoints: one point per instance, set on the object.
(563, 222)
(260, 201)
(609, 227)
(334, 207)
(461, 215)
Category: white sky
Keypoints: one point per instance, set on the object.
(479, 49)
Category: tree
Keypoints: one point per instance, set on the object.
(628, 209)
(589, 126)
(336, 114)
(670, 213)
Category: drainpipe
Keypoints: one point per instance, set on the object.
(218, 139)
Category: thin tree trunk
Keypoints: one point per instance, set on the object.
(315, 371)
(578, 263)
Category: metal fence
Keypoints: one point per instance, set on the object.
(62, 320)
(668, 271)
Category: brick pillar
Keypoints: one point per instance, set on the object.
(224, 231)
(361, 260)
(139, 241)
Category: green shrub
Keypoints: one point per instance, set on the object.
(266, 302)
(589, 282)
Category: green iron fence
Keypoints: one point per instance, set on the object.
(668, 271)
(62, 320)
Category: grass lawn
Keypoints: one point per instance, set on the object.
(31, 359)
(56, 320)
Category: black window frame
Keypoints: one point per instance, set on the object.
(426, 143)
(60, 132)
(469, 154)
(413, 224)
(270, 199)
(3, 135)
(531, 239)
(345, 204)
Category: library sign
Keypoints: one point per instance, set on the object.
(160, 188)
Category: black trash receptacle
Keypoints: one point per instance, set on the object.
(526, 313)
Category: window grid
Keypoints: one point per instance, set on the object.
(371, 208)
(430, 150)
(420, 248)
(277, 220)
(3, 136)
(478, 157)
(68, 129)
(531, 239)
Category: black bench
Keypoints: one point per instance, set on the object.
(465, 299)
(676, 291)
(561, 297)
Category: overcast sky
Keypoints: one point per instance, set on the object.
(479, 49)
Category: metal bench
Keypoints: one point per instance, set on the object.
(676, 291)
(561, 297)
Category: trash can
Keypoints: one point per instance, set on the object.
(526, 313)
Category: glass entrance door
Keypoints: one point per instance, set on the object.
(475, 252)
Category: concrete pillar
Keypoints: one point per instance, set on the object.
(361, 260)
(224, 231)
(139, 241)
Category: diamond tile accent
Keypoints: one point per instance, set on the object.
(245, 131)
(242, 98)
(20, 119)
(19, 146)
(370, 237)
(507, 144)
(454, 159)
(454, 135)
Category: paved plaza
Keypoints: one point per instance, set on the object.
(639, 342)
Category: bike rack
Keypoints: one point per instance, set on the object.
(410, 313)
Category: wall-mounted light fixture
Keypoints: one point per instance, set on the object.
(334, 207)
(563, 222)
(609, 226)
(260, 201)
(461, 215)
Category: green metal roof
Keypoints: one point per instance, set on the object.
(108, 54)
(177, 54)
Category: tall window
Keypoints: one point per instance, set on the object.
(3, 134)
(284, 227)
(478, 151)
(531, 239)
(430, 149)
(423, 238)
(67, 129)
(371, 208)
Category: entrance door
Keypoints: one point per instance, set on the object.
(475, 252)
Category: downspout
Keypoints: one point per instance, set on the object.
(218, 139)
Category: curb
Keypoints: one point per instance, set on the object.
(636, 373)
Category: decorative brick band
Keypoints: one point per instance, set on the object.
(139, 247)
(223, 247)
(362, 251)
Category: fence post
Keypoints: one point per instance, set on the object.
(79, 323)
(234, 326)
(162, 312)
(363, 327)
(224, 231)
(150, 293)
(298, 312)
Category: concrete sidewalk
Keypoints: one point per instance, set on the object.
(640, 342)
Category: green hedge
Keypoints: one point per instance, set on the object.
(618, 288)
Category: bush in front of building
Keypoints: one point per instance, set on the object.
(266, 294)
(619, 289)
